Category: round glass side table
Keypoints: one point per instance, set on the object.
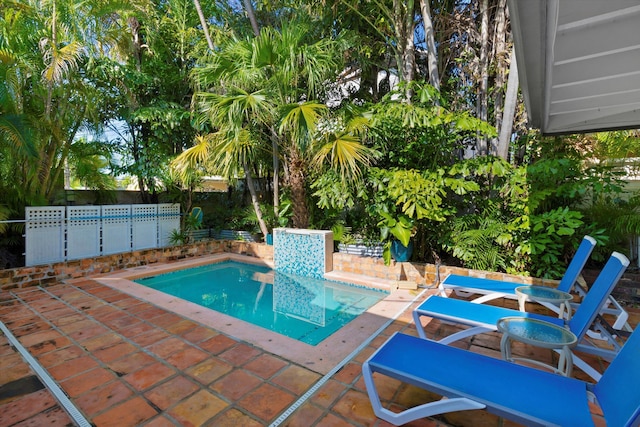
(545, 294)
(540, 334)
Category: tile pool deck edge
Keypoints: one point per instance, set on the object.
(127, 362)
(321, 358)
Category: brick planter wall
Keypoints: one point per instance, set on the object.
(422, 274)
(46, 274)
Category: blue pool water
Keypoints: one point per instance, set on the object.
(302, 308)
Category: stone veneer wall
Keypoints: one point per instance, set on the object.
(48, 274)
(422, 274)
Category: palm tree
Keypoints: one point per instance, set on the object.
(34, 62)
(282, 73)
(234, 147)
(43, 62)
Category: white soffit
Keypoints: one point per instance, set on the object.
(578, 63)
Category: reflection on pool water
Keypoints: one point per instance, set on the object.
(306, 309)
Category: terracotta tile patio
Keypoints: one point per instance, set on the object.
(126, 362)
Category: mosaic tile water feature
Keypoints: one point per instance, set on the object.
(303, 252)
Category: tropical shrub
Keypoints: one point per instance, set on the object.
(490, 214)
(421, 133)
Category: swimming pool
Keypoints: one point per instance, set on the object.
(308, 310)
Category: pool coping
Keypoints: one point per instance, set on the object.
(320, 358)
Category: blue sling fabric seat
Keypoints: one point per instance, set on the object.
(489, 289)
(526, 395)
(492, 289)
(484, 318)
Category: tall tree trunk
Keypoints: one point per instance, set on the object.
(500, 55)
(136, 150)
(404, 23)
(298, 191)
(375, 88)
(203, 22)
(510, 102)
(432, 56)
(251, 14)
(276, 177)
(54, 46)
(134, 25)
(484, 71)
(408, 58)
(47, 154)
(254, 199)
(57, 168)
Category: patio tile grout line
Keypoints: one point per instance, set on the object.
(157, 358)
(89, 316)
(53, 387)
(56, 328)
(232, 404)
(291, 409)
(201, 386)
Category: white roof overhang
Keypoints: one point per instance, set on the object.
(578, 63)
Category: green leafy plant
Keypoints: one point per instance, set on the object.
(190, 222)
(406, 132)
(178, 237)
(341, 233)
(490, 199)
(400, 228)
(553, 234)
(480, 240)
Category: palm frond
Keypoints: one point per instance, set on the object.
(233, 149)
(478, 240)
(7, 57)
(345, 154)
(61, 61)
(4, 215)
(193, 158)
(301, 119)
(14, 130)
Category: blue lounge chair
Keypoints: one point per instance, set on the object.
(488, 290)
(492, 289)
(484, 318)
(526, 395)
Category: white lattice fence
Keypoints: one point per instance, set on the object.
(144, 226)
(116, 229)
(58, 233)
(166, 221)
(44, 231)
(83, 231)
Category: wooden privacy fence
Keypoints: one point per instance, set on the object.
(60, 233)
